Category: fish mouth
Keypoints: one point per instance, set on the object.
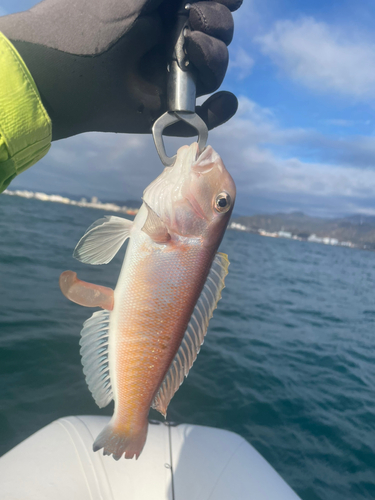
(206, 161)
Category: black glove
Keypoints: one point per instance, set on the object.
(102, 64)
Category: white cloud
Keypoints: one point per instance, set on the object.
(110, 166)
(253, 148)
(266, 161)
(322, 57)
(247, 18)
(241, 64)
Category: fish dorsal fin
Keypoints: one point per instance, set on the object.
(102, 240)
(155, 227)
(94, 352)
(195, 333)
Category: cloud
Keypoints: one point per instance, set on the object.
(322, 57)
(254, 148)
(110, 166)
(274, 168)
(241, 64)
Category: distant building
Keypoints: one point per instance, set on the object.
(326, 240)
(315, 239)
(347, 244)
(284, 234)
(330, 241)
(237, 226)
(262, 232)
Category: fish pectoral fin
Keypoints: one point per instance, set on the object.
(102, 240)
(194, 335)
(155, 227)
(85, 294)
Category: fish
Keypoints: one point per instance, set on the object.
(139, 348)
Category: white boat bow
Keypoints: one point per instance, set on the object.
(183, 462)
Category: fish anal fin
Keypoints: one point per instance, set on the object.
(85, 294)
(195, 333)
(155, 227)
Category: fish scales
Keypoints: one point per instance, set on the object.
(156, 293)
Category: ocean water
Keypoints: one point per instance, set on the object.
(288, 361)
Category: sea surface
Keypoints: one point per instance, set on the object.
(288, 361)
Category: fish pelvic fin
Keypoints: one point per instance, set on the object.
(194, 335)
(116, 442)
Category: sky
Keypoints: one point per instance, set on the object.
(304, 134)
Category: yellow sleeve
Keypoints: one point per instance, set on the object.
(25, 127)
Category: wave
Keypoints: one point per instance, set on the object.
(56, 198)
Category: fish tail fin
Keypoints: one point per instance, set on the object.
(115, 441)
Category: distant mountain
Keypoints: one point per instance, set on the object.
(362, 219)
(358, 229)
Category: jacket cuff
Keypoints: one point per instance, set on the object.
(25, 127)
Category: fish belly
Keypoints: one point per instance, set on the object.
(158, 288)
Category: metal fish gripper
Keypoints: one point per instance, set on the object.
(181, 94)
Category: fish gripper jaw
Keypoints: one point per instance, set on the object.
(171, 117)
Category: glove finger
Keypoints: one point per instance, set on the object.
(215, 111)
(212, 18)
(210, 57)
(232, 5)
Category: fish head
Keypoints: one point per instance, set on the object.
(195, 196)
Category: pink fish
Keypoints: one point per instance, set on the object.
(138, 350)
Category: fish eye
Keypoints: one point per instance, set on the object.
(222, 203)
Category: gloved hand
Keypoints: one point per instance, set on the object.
(102, 64)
